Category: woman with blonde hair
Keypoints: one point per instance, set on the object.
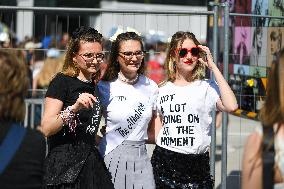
(182, 126)
(272, 118)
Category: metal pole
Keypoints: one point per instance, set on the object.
(65, 10)
(215, 56)
(225, 115)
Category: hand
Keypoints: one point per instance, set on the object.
(85, 100)
(103, 130)
(209, 58)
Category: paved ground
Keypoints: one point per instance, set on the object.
(239, 129)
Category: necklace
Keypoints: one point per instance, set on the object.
(84, 80)
(122, 78)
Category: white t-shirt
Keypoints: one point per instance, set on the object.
(127, 109)
(186, 116)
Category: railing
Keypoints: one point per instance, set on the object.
(56, 21)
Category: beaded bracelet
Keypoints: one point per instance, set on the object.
(69, 118)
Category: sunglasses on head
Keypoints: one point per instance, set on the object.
(194, 51)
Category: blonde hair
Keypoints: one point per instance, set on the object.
(176, 42)
(13, 87)
(50, 68)
(273, 109)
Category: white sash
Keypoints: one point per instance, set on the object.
(133, 121)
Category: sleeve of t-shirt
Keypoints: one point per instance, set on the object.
(104, 93)
(213, 93)
(57, 88)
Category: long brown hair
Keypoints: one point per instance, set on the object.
(273, 108)
(113, 67)
(81, 34)
(13, 87)
(176, 42)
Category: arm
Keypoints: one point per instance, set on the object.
(228, 101)
(252, 163)
(34, 85)
(154, 128)
(52, 122)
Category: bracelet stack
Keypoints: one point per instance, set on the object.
(69, 118)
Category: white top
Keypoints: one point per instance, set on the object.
(186, 114)
(127, 109)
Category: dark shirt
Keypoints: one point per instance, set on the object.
(68, 150)
(25, 170)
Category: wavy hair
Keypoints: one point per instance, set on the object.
(113, 67)
(81, 34)
(273, 108)
(176, 42)
(14, 84)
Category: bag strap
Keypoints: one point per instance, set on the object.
(10, 145)
(268, 153)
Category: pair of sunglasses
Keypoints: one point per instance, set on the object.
(194, 51)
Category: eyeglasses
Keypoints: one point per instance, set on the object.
(89, 57)
(129, 55)
(184, 51)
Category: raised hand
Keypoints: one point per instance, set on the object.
(209, 58)
(85, 100)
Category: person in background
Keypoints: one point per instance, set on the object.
(185, 102)
(51, 66)
(275, 43)
(271, 115)
(22, 150)
(72, 115)
(128, 98)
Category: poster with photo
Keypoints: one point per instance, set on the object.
(259, 7)
(258, 46)
(257, 71)
(275, 41)
(276, 8)
(243, 6)
(242, 45)
(241, 69)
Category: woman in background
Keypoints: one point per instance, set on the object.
(271, 115)
(23, 150)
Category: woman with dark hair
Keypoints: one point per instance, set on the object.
(23, 150)
(184, 106)
(272, 118)
(128, 102)
(72, 115)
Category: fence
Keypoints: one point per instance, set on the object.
(156, 26)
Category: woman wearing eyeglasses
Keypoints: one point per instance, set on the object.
(184, 105)
(72, 115)
(128, 102)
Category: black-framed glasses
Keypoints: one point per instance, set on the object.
(89, 57)
(129, 55)
(182, 52)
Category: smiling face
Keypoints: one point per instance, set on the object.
(130, 56)
(186, 62)
(88, 58)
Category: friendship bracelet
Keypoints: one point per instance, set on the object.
(69, 118)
